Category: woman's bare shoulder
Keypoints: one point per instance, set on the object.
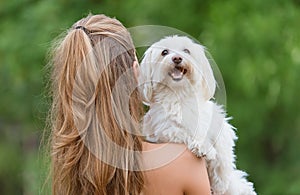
(194, 174)
(184, 171)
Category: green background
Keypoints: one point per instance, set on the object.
(255, 44)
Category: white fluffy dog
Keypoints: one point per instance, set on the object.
(177, 82)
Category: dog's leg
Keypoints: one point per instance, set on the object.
(225, 179)
(221, 168)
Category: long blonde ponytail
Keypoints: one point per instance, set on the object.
(90, 111)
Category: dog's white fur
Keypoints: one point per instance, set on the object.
(181, 110)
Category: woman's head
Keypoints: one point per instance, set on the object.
(95, 110)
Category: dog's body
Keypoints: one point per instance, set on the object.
(178, 83)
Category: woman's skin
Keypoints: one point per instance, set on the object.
(185, 174)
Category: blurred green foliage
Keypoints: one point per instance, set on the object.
(255, 44)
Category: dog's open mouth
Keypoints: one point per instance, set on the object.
(177, 73)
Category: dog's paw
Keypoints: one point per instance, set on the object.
(204, 150)
(209, 152)
(197, 152)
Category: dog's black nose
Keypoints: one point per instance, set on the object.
(177, 59)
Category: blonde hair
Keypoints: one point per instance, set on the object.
(90, 111)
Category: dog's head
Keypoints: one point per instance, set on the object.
(177, 62)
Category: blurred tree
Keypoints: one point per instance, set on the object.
(255, 43)
(256, 48)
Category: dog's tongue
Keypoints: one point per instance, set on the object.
(176, 74)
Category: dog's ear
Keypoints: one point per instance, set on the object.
(145, 78)
(208, 80)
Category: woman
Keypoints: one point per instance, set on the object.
(96, 147)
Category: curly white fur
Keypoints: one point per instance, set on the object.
(177, 83)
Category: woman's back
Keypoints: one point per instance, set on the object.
(185, 174)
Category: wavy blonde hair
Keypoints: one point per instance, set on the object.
(95, 111)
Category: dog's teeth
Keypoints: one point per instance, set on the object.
(177, 75)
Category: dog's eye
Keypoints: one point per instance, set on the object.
(164, 52)
(186, 51)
